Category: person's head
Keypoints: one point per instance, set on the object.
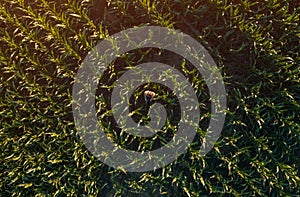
(148, 96)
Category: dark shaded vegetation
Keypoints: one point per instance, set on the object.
(255, 44)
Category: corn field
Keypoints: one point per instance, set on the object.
(255, 45)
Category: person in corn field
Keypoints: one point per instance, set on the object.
(149, 95)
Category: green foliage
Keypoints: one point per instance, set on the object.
(256, 45)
